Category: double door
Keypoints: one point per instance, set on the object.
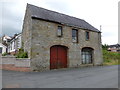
(58, 57)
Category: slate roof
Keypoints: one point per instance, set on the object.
(44, 14)
(14, 36)
(116, 45)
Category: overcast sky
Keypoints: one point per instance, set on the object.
(95, 12)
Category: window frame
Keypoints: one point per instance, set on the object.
(14, 44)
(87, 35)
(60, 30)
(1, 49)
(76, 36)
(88, 54)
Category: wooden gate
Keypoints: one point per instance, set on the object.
(58, 57)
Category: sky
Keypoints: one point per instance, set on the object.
(95, 12)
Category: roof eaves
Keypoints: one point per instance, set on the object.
(35, 17)
(86, 25)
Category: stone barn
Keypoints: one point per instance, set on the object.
(54, 40)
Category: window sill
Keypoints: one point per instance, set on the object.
(75, 42)
(87, 65)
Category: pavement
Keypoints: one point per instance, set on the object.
(86, 77)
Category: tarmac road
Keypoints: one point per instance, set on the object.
(86, 77)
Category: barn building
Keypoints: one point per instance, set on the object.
(54, 40)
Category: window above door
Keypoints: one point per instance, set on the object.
(59, 31)
(75, 35)
(87, 36)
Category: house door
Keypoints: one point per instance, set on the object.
(87, 55)
(58, 57)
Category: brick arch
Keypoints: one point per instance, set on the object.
(59, 45)
(87, 48)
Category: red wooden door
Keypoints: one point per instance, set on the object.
(58, 57)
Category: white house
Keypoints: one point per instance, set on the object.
(3, 48)
(15, 44)
(114, 48)
(6, 39)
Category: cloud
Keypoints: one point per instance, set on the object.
(10, 30)
(95, 12)
(108, 39)
(12, 19)
(59, 5)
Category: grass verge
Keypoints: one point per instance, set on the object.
(111, 58)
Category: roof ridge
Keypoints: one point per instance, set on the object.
(55, 12)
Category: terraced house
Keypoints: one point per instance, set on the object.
(54, 40)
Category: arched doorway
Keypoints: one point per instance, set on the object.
(58, 57)
(87, 55)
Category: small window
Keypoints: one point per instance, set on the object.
(0, 49)
(87, 35)
(59, 31)
(74, 35)
(14, 44)
(11, 45)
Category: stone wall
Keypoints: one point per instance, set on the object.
(22, 62)
(15, 64)
(8, 59)
(44, 35)
(26, 32)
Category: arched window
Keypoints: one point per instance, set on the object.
(87, 55)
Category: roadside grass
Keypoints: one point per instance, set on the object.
(111, 58)
(111, 62)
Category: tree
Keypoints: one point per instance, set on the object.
(105, 46)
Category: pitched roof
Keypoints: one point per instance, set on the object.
(115, 45)
(44, 14)
(15, 35)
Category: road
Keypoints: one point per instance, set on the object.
(86, 77)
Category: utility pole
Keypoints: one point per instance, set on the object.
(101, 33)
(100, 27)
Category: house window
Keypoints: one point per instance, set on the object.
(11, 45)
(18, 43)
(0, 49)
(59, 31)
(87, 35)
(87, 55)
(74, 35)
(14, 44)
